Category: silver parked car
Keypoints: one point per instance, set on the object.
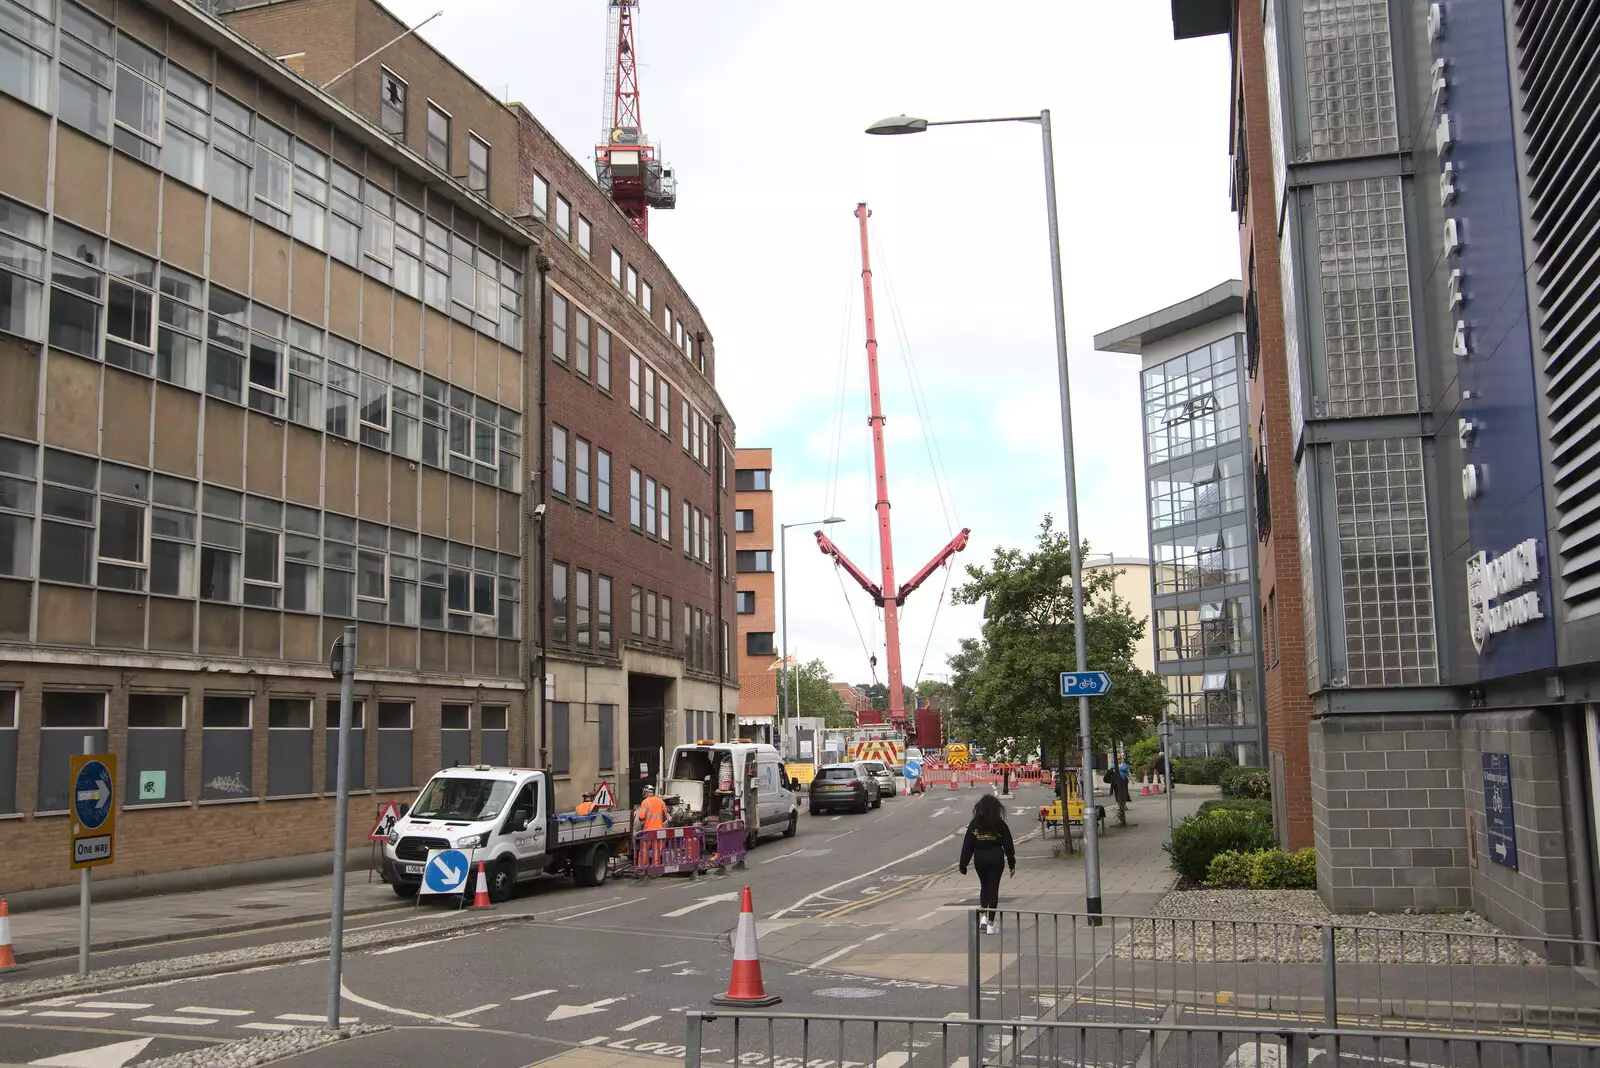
(885, 778)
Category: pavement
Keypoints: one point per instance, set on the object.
(858, 913)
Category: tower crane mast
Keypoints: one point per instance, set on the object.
(885, 594)
(625, 162)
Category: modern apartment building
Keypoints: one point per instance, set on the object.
(274, 362)
(1202, 548)
(755, 541)
(1422, 198)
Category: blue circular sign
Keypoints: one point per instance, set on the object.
(91, 795)
(446, 872)
(913, 769)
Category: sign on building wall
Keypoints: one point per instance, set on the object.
(1500, 821)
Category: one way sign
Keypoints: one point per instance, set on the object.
(1085, 683)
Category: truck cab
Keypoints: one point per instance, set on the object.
(506, 818)
(726, 780)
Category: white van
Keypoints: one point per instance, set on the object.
(758, 776)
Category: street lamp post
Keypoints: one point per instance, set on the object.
(783, 595)
(905, 124)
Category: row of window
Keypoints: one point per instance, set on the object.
(1212, 628)
(585, 345)
(156, 738)
(583, 620)
(1192, 402)
(1203, 491)
(393, 91)
(561, 736)
(571, 460)
(752, 480)
(753, 561)
(106, 302)
(1202, 561)
(759, 643)
(650, 619)
(115, 89)
(117, 527)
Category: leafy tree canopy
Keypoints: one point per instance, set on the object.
(818, 699)
(1006, 682)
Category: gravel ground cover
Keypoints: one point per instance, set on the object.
(1281, 925)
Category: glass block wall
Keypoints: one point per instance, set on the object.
(1349, 78)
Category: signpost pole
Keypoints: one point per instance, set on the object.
(83, 881)
(1166, 767)
(346, 663)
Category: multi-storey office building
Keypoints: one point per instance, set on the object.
(635, 482)
(264, 377)
(1428, 215)
(755, 539)
(1202, 570)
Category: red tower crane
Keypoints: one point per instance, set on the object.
(625, 161)
(884, 594)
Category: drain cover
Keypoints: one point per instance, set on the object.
(202, 916)
(848, 992)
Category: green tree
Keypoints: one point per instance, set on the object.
(938, 694)
(818, 699)
(1006, 682)
(878, 694)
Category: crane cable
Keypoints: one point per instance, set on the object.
(948, 567)
(831, 484)
(848, 604)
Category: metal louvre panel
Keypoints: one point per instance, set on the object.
(1558, 72)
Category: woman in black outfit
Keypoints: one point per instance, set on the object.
(988, 845)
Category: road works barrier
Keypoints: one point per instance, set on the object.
(1331, 975)
(956, 778)
(795, 1040)
(693, 849)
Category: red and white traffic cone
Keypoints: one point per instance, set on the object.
(1144, 785)
(8, 958)
(744, 985)
(480, 900)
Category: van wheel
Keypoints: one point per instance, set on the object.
(877, 802)
(750, 837)
(593, 874)
(502, 881)
(817, 810)
(404, 889)
(794, 825)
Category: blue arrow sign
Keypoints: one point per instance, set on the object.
(91, 795)
(913, 770)
(446, 872)
(1085, 683)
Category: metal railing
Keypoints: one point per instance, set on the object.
(797, 1040)
(1045, 965)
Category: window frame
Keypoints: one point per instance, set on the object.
(433, 140)
(475, 141)
(385, 108)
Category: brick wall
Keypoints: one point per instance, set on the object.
(1288, 708)
(758, 678)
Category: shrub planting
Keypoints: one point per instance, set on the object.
(1199, 838)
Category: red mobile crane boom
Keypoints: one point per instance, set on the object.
(625, 162)
(885, 595)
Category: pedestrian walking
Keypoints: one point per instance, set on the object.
(988, 846)
(1161, 769)
(1117, 778)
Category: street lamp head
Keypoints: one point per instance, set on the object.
(832, 519)
(898, 124)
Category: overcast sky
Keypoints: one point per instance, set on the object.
(760, 104)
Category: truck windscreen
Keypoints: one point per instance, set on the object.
(462, 799)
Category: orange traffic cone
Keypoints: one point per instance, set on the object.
(1144, 785)
(8, 959)
(744, 985)
(480, 900)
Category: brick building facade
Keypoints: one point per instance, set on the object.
(274, 360)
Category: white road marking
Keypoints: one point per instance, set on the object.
(595, 1041)
(113, 1005)
(464, 1013)
(258, 1026)
(591, 912)
(836, 817)
(564, 1012)
(54, 1001)
(835, 955)
(308, 1017)
(113, 1056)
(581, 904)
(639, 1023)
(535, 994)
(893, 1059)
(409, 945)
(186, 1021)
(13, 1012)
(1020, 811)
(67, 1014)
(344, 992)
(941, 812)
(711, 899)
(874, 938)
(846, 882)
(781, 856)
(201, 1010)
(840, 835)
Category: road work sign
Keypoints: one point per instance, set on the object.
(446, 872)
(94, 812)
(1085, 683)
(386, 821)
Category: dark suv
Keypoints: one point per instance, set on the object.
(843, 786)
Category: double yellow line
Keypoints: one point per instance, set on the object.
(915, 884)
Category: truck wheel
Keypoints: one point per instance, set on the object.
(794, 825)
(593, 874)
(750, 837)
(502, 881)
(403, 890)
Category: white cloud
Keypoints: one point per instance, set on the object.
(760, 107)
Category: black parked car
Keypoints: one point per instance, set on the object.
(843, 786)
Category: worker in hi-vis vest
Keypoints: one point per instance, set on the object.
(652, 813)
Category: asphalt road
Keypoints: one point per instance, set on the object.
(615, 966)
